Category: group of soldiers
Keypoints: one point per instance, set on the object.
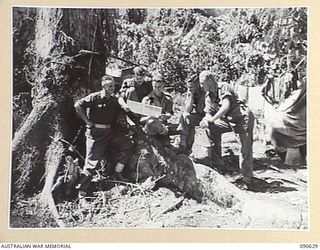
(212, 106)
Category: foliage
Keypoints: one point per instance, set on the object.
(233, 43)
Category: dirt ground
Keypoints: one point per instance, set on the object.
(278, 201)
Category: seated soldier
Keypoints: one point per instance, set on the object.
(103, 115)
(157, 97)
(192, 115)
(232, 115)
(134, 89)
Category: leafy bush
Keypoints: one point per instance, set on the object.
(231, 43)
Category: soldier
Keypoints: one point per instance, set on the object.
(232, 115)
(103, 115)
(192, 115)
(134, 89)
(158, 98)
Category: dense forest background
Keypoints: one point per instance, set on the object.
(60, 54)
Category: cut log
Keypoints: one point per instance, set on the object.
(153, 158)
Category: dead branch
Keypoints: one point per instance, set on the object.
(72, 147)
(170, 208)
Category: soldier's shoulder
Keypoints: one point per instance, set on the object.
(129, 82)
(95, 93)
(92, 95)
(88, 98)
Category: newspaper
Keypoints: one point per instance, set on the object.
(144, 109)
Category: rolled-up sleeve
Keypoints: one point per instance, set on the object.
(86, 101)
(207, 106)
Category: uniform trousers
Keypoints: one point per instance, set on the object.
(244, 130)
(101, 142)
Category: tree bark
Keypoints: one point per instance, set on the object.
(59, 72)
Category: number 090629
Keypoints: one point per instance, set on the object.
(309, 246)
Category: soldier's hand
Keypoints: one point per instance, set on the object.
(126, 108)
(204, 123)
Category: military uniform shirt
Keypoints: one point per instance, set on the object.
(198, 101)
(238, 114)
(102, 110)
(165, 102)
(131, 90)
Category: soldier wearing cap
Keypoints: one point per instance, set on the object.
(231, 115)
(192, 115)
(102, 114)
(134, 89)
(158, 98)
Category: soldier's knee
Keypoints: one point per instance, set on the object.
(213, 128)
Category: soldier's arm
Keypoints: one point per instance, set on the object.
(146, 100)
(189, 102)
(82, 113)
(123, 103)
(225, 107)
(168, 112)
(199, 108)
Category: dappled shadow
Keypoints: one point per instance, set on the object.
(276, 181)
(275, 163)
(263, 186)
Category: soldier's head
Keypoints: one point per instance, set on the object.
(157, 83)
(193, 83)
(139, 74)
(207, 81)
(108, 85)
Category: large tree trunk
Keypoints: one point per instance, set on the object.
(37, 153)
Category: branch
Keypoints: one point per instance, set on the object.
(168, 209)
(72, 146)
(127, 61)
